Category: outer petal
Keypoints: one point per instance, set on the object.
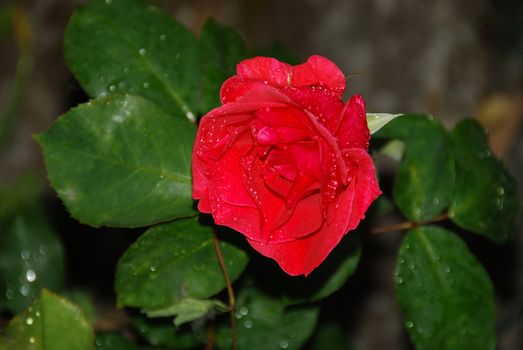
(319, 71)
(302, 256)
(265, 69)
(363, 176)
(353, 131)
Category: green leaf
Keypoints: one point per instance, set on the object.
(221, 49)
(263, 323)
(114, 341)
(376, 121)
(120, 161)
(84, 301)
(171, 262)
(125, 46)
(162, 333)
(425, 179)
(445, 294)
(50, 323)
(31, 256)
(188, 310)
(485, 200)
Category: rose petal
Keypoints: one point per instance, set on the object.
(353, 131)
(302, 256)
(265, 69)
(319, 71)
(363, 176)
(326, 108)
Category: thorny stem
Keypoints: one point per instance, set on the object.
(230, 291)
(407, 225)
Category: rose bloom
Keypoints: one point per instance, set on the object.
(284, 161)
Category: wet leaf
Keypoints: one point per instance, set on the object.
(264, 323)
(221, 49)
(120, 161)
(486, 197)
(376, 121)
(425, 180)
(31, 257)
(126, 46)
(445, 294)
(171, 262)
(50, 323)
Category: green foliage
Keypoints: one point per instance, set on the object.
(52, 323)
(171, 262)
(446, 296)
(485, 200)
(125, 46)
(162, 333)
(376, 121)
(114, 341)
(31, 257)
(425, 179)
(120, 161)
(221, 49)
(265, 323)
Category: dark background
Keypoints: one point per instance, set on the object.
(448, 58)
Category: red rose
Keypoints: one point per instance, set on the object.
(284, 161)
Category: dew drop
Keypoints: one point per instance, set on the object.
(42, 249)
(29, 321)
(126, 70)
(284, 344)
(501, 191)
(142, 51)
(152, 268)
(145, 85)
(25, 254)
(163, 37)
(9, 294)
(399, 280)
(32, 340)
(30, 275)
(447, 269)
(37, 314)
(112, 88)
(108, 2)
(248, 324)
(24, 290)
(409, 324)
(244, 311)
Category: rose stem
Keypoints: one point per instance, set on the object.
(211, 338)
(407, 225)
(230, 292)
